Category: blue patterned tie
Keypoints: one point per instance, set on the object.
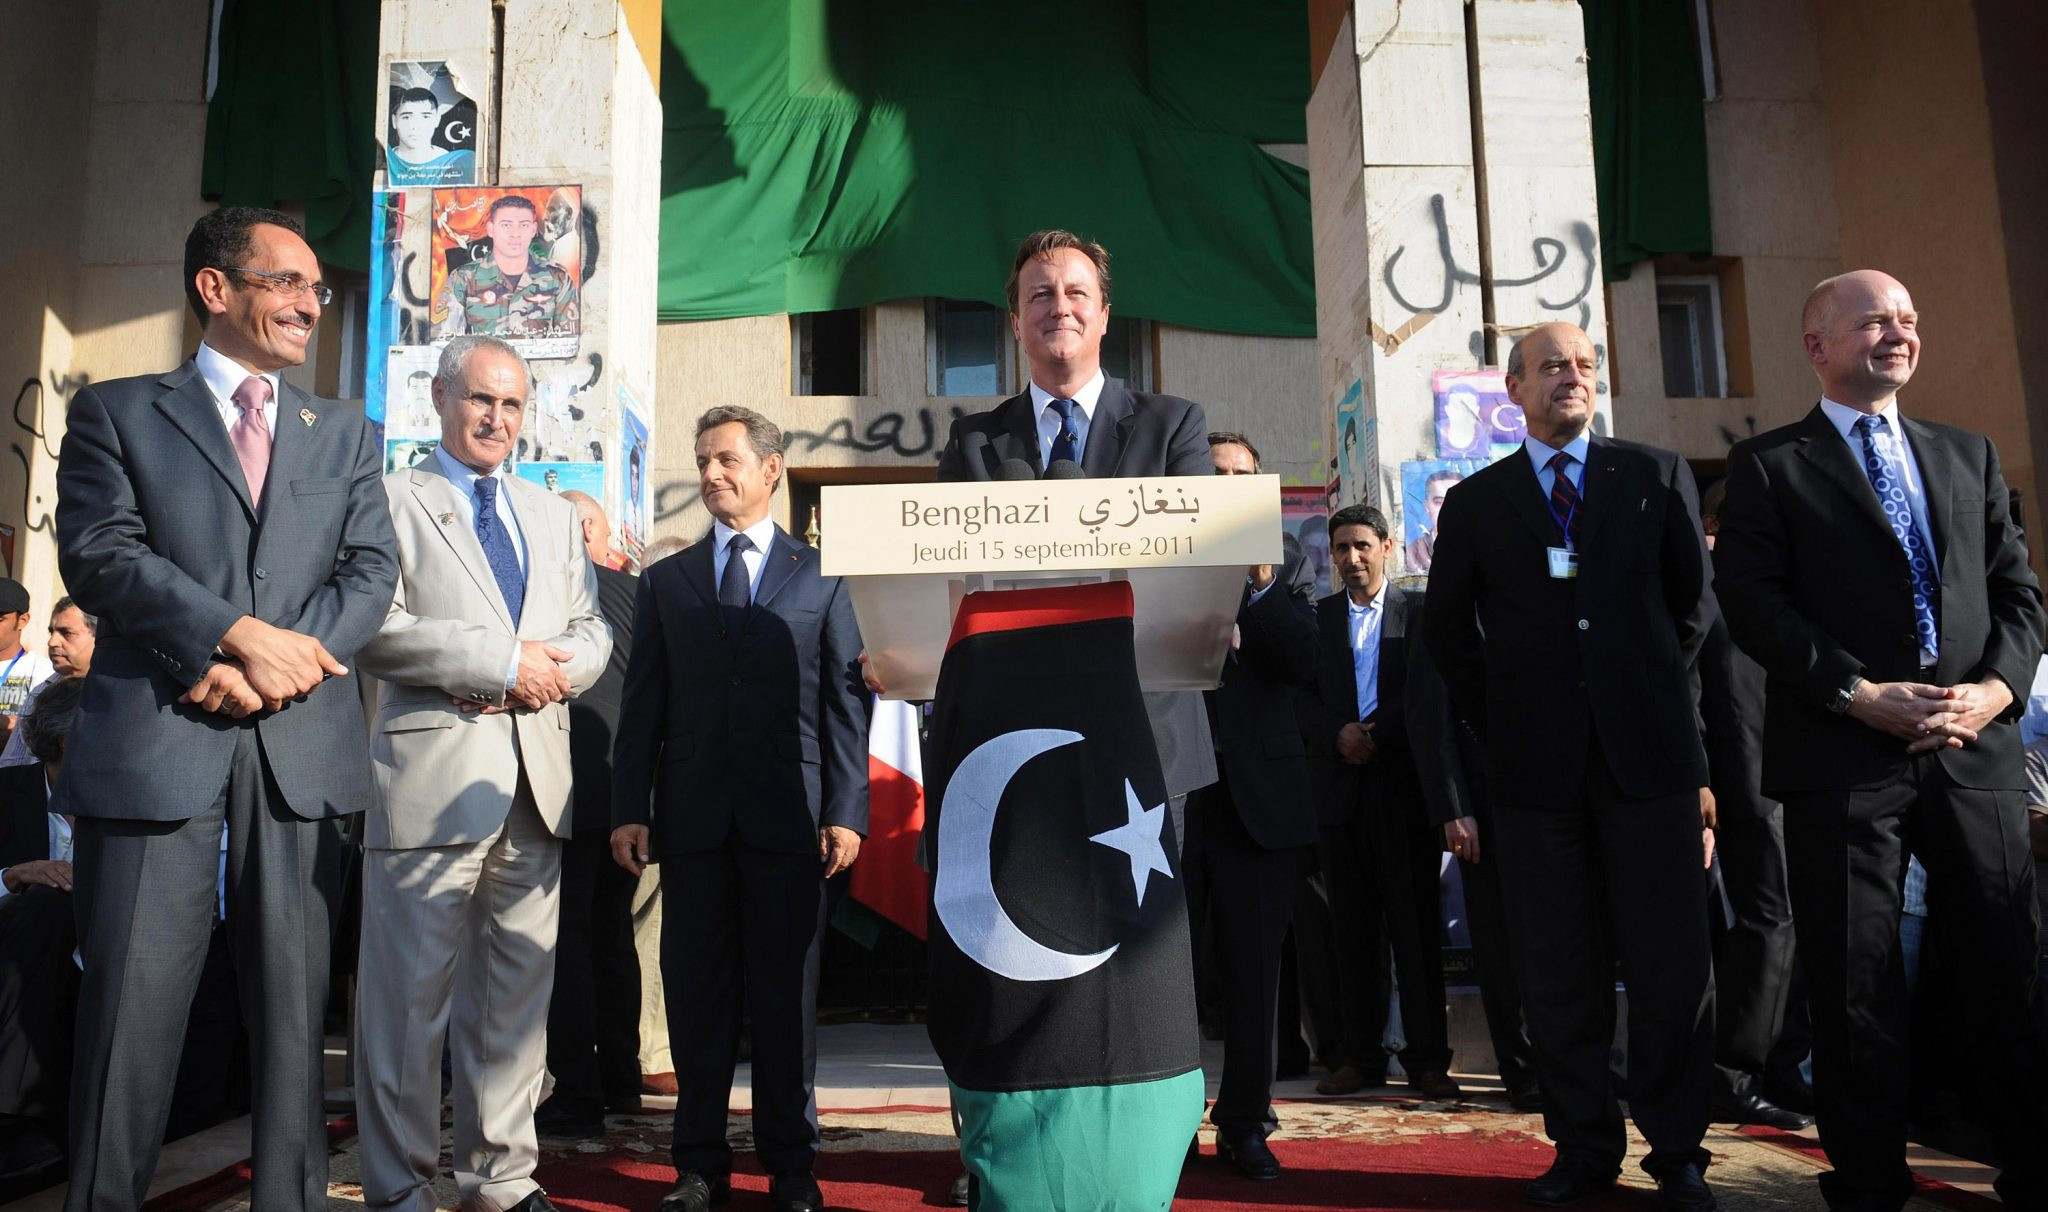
(1891, 493)
(1064, 441)
(498, 547)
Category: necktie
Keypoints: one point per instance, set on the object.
(1891, 493)
(735, 588)
(1365, 659)
(1065, 441)
(251, 437)
(497, 544)
(1564, 497)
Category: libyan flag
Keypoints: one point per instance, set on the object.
(1062, 996)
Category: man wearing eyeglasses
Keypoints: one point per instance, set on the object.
(506, 292)
(231, 533)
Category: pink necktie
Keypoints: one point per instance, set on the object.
(250, 435)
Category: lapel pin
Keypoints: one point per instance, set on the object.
(447, 519)
(307, 415)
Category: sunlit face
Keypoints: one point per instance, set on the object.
(481, 411)
(11, 623)
(71, 643)
(735, 483)
(511, 231)
(1555, 389)
(1232, 459)
(1060, 316)
(250, 319)
(1360, 555)
(1868, 340)
(413, 124)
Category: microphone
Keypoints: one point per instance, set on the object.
(1065, 469)
(1014, 469)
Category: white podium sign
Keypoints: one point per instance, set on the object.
(912, 551)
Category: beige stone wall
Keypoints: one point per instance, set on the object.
(1262, 386)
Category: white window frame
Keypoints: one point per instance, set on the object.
(1717, 356)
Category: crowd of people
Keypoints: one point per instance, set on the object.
(1697, 744)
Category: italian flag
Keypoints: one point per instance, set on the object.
(887, 878)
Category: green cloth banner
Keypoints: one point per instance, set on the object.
(1649, 131)
(821, 154)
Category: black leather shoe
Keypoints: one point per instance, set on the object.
(1525, 1096)
(795, 1191)
(552, 1120)
(960, 1192)
(694, 1192)
(1249, 1156)
(1569, 1179)
(1684, 1189)
(1754, 1108)
(536, 1202)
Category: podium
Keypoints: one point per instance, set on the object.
(911, 552)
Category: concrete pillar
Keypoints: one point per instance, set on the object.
(567, 111)
(1451, 181)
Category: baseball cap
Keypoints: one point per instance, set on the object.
(13, 596)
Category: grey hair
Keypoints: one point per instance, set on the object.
(92, 621)
(456, 354)
(1515, 366)
(47, 726)
(662, 548)
(762, 434)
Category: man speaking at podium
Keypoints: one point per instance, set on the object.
(1077, 1078)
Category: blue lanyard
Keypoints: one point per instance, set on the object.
(1564, 524)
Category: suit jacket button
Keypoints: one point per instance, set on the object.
(1584, 624)
(735, 680)
(260, 574)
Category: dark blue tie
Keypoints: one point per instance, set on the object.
(1064, 442)
(735, 588)
(1891, 493)
(498, 547)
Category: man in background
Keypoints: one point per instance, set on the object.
(72, 635)
(21, 671)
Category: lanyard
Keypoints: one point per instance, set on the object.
(9, 671)
(1564, 524)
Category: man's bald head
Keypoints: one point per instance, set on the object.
(1862, 337)
(597, 528)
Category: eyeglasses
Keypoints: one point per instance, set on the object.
(291, 286)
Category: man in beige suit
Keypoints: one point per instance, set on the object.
(495, 623)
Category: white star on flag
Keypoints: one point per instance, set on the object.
(1139, 838)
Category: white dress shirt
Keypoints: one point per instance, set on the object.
(224, 376)
(1892, 441)
(761, 534)
(1365, 649)
(1049, 420)
(464, 478)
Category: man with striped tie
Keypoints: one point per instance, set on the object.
(1568, 598)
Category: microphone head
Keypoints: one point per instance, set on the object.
(1014, 469)
(1065, 469)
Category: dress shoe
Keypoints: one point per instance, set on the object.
(1350, 1079)
(1437, 1086)
(1754, 1108)
(552, 1119)
(959, 1194)
(694, 1192)
(1525, 1096)
(1249, 1156)
(1569, 1179)
(536, 1202)
(658, 1083)
(795, 1191)
(1684, 1189)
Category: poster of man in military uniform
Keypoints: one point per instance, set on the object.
(500, 271)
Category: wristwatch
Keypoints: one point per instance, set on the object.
(1845, 696)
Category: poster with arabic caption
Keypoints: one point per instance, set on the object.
(509, 263)
(430, 126)
(1475, 419)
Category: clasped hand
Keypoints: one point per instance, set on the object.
(1930, 717)
(540, 682)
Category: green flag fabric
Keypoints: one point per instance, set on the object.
(1649, 131)
(821, 154)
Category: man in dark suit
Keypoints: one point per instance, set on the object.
(742, 767)
(1568, 598)
(1379, 853)
(594, 1012)
(1072, 413)
(1872, 565)
(231, 534)
(1247, 832)
(1753, 941)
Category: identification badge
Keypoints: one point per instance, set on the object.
(1564, 563)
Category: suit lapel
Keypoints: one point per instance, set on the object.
(1109, 430)
(291, 442)
(784, 556)
(1525, 496)
(1821, 444)
(439, 501)
(1020, 433)
(189, 406)
(1936, 482)
(1599, 490)
(1334, 615)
